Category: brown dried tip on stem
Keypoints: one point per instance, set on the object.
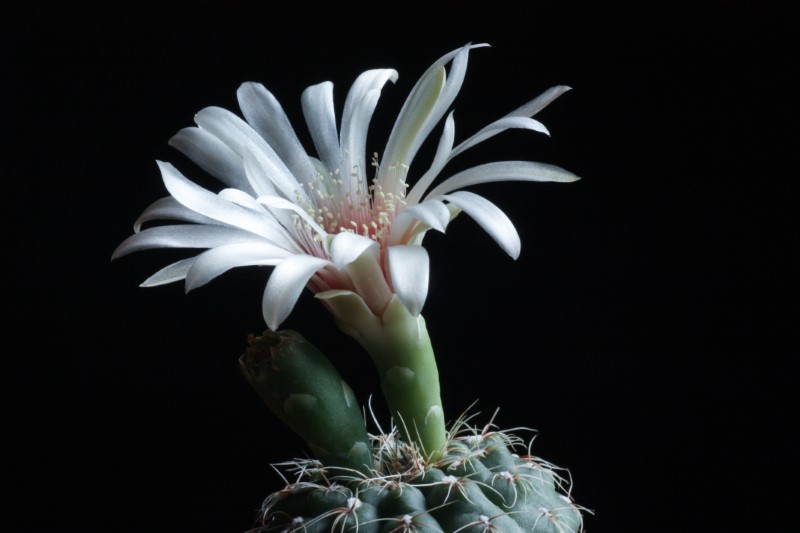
(261, 349)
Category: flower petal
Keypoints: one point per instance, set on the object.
(183, 236)
(219, 260)
(540, 102)
(498, 126)
(425, 105)
(272, 220)
(169, 274)
(346, 247)
(285, 285)
(268, 175)
(490, 218)
(209, 204)
(527, 110)
(243, 139)
(230, 129)
(433, 213)
(212, 155)
(503, 171)
(241, 198)
(359, 256)
(169, 208)
(358, 108)
(419, 231)
(318, 110)
(266, 115)
(439, 161)
(281, 203)
(409, 268)
(412, 119)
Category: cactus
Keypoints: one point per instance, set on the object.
(479, 483)
(355, 241)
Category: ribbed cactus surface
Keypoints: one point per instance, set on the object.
(481, 480)
(480, 485)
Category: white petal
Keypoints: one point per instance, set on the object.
(347, 247)
(433, 213)
(169, 208)
(425, 105)
(490, 218)
(499, 126)
(504, 171)
(412, 118)
(419, 231)
(230, 129)
(439, 161)
(285, 285)
(241, 198)
(409, 268)
(270, 219)
(320, 116)
(281, 203)
(219, 260)
(268, 175)
(523, 112)
(209, 204)
(212, 155)
(540, 102)
(257, 169)
(319, 166)
(174, 272)
(265, 114)
(243, 139)
(358, 108)
(519, 119)
(183, 236)
(359, 256)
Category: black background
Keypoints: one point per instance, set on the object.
(645, 331)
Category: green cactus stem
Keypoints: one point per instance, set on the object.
(304, 390)
(401, 349)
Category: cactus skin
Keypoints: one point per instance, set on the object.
(301, 386)
(480, 485)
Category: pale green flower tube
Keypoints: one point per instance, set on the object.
(399, 345)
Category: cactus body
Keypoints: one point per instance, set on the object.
(479, 485)
(390, 483)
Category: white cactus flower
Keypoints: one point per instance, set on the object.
(336, 223)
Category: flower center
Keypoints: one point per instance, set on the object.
(340, 204)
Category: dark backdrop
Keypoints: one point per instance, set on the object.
(643, 331)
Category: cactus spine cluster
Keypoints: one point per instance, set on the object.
(482, 480)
